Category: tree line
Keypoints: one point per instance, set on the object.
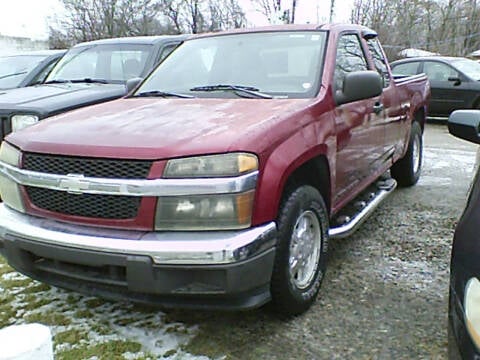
(449, 27)
(87, 20)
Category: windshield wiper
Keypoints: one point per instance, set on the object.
(158, 93)
(250, 90)
(14, 74)
(85, 80)
(59, 81)
(90, 81)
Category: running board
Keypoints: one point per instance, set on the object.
(348, 220)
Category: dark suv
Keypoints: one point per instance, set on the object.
(89, 73)
(454, 81)
(464, 299)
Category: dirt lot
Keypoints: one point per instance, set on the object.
(384, 295)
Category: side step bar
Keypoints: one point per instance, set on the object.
(362, 207)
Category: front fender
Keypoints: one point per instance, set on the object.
(315, 139)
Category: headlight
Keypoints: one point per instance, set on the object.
(9, 190)
(10, 154)
(472, 309)
(205, 212)
(232, 164)
(22, 121)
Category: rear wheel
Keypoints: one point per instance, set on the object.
(407, 170)
(300, 260)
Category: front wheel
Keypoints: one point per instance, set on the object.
(407, 170)
(300, 260)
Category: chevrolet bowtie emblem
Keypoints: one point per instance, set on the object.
(74, 185)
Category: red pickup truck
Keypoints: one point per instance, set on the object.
(219, 181)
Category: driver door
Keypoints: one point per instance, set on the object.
(360, 131)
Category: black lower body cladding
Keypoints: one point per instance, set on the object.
(242, 285)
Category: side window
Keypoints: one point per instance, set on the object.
(438, 71)
(350, 57)
(379, 60)
(406, 69)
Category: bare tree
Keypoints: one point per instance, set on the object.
(94, 19)
(195, 16)
(87, 20)
(449, 27)
(332, 9)
(269, 8)
(275, 11)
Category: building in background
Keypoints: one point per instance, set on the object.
(14, 44)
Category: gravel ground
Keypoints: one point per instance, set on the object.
(384, 295)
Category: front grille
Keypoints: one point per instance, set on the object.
(90, 167)
(87, 205)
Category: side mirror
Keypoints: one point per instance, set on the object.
(456, 80)
(132, 83)
(465, 124)
(359, 85)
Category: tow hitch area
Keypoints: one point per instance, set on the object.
(353, 215)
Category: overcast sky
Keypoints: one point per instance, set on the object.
(29, 18)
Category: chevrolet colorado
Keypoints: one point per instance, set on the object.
(218, 182)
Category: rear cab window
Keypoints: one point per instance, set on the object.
(379, 60)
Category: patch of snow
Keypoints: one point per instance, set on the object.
(418, 275)
(26, 342)
(122, 322)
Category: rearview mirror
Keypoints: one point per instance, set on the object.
(465, 124)
(359, 85)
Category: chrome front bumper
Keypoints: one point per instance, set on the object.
(169, 248)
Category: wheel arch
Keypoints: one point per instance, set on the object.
(314, 172)
(420, 116)
(311, 170)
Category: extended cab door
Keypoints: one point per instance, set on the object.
(393, 113)
(359, 128)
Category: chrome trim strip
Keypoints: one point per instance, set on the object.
(350, 227)
(131, 187)
(195, 248)
(444, 118)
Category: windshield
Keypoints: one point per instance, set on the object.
(111, 62)
(13, 69)
(280, 64)
(468, 67)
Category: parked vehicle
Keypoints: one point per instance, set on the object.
(89, 73)
(454, 81)
(464, 299)
(27, 68)
(219, 181)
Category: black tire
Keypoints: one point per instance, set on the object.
(304, 206)
(407, 170)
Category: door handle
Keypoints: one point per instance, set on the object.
(378, 108)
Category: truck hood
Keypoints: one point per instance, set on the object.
(161, 128)
(50, 99)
